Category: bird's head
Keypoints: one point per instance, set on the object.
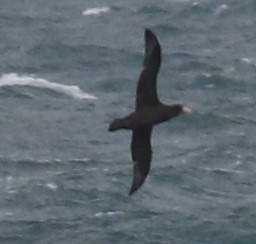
(177, 109)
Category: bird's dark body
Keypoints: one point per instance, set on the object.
(146, 117)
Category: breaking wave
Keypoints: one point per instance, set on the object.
(96, 11)
(13, 79)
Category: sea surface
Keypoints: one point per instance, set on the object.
(67, 68)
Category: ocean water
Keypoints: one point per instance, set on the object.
(67, 68)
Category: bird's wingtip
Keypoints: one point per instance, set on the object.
(148, 32)
(138, 179)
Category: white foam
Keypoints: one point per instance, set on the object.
(220, 9)
(52, 186)
(96, 11)
(12, 79)
(222, 170)
(247, 60)
(207, 75)
(108, 213)
(78, 160)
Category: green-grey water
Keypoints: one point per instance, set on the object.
(67, 68)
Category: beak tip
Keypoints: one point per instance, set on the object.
(186, 110)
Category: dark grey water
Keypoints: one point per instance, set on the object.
(67, 68)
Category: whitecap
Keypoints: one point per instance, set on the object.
(79, 160)
(52, 186)
(223, 170)
(247, 60)
(108, 213)
(220, 9)
(13, 79)
(47, 161)
(99, 214)
(207, 75)
(96, 11)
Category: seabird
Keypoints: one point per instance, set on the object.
(149, 111)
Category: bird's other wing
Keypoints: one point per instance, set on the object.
(146, 94)
(141, 155)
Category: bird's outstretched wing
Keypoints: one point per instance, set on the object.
(146, 94)
(141, 155)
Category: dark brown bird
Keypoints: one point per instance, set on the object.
(149, 111)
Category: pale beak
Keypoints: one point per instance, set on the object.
(186, 110)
